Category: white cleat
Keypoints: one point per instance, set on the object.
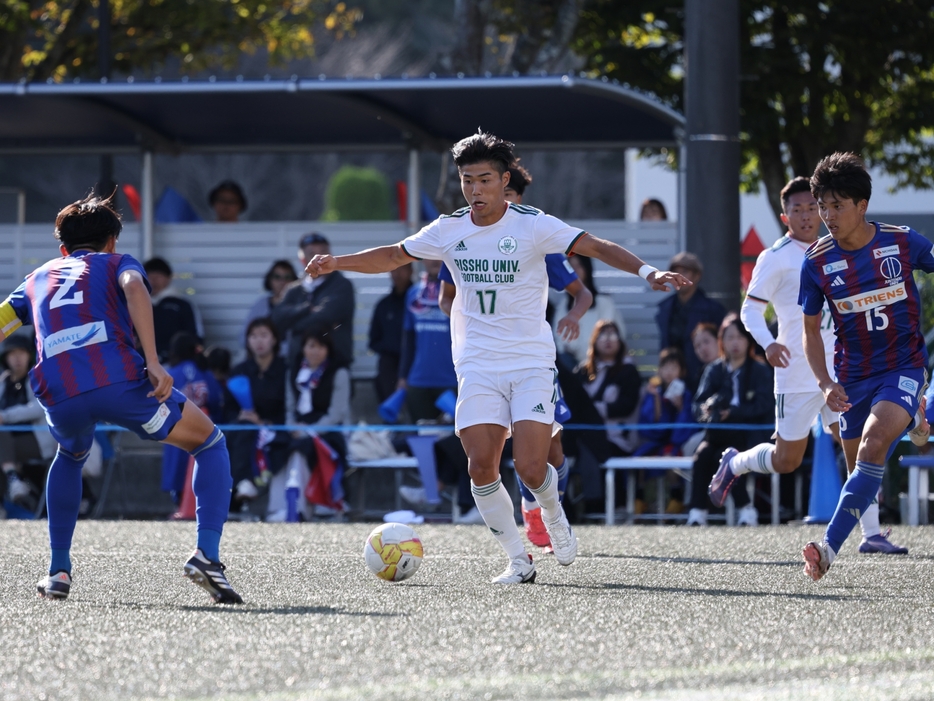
(817, 559)
(521, 570)
(563, 540)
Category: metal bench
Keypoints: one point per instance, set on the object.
(917, 466)
(683, 466)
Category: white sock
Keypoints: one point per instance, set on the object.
(869, 521)
(547, 495)
(495, 505)
(756, 459)
(529, 505)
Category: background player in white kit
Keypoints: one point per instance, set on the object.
(503, 348)
(798, 398)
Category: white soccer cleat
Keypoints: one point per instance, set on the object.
(521, 570)
(922, 431)
(748, 516)
(817, 559)
(563, 540)
(697, 517)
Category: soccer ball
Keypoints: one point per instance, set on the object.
(393, 552)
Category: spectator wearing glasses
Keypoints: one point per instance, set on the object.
(228, 202)
(276, 283)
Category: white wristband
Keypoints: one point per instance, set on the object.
(645, 270)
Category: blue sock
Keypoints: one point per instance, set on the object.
(563, 473)
(858, 492)
(63, 499)
(525, 491)
(211, 484)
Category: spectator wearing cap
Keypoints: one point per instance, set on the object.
(680, 313)
(171, 312)
(323, 305)
(19, 407)
(228, 202)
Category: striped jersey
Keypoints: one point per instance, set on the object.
(873, 299)
(84, 335)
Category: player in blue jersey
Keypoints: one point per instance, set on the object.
(85, 307)
(864, 270)
(561, 277)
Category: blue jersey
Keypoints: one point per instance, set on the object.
(84, 335)
(560, 272)
(432, 364)
(873, 300)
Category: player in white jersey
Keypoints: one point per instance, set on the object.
(503, 348)
(798, 398)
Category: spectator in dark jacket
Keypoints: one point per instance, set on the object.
(737, 389)
(680, 313)
(386, 331)
(324, 305)
(171, 312)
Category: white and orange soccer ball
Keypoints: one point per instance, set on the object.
(393, 552)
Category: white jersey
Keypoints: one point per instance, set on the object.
(776, 279)
(498, 316)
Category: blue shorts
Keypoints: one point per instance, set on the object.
(902, 387)
(72, 421)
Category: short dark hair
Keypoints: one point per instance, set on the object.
(158, 265)
(218, 359)
(88, 223)
(793, 187)
(843, 174)
(185, 346)
(653, 202)
(322, 337)
(673, 355)
(732, 319)
(267, 323)
(311, 238)
(482, 147)
(229, 186)
(285, 264)
(519, 178)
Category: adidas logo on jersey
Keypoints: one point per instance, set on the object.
(907, 399)
(538, 409)
(460, 247)
(837, 282)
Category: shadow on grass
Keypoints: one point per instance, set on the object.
(701, 560)
(737, 593)
(253, 610)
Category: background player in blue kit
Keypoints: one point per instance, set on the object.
(85, 307)
(864, 270)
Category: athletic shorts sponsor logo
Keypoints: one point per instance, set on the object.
(74, 337)
(871, 299)
(907, 384)
(158, 420)
(885, 252)
(831, 268)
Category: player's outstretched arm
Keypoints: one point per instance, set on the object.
(617, 256)
(569, 325)
(139, 304)
(373, 260)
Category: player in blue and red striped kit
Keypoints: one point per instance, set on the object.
(864, 270)
(85, 307)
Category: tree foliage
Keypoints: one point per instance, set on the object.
(817, 77)
(58, 40)
(357, 194)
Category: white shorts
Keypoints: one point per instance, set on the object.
(795, 413)
(504, 397)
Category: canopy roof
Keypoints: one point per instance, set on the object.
(328, 114)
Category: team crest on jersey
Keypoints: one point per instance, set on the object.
(891, 269)
(507, 245)
(831, 268)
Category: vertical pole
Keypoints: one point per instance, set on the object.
(713, 149)
(147, 207)
(414, 190)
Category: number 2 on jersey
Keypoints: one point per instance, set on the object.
(876, 319)
(491, 301)
(71, 272)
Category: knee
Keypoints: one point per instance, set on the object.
(872, 449)
(784, 464)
